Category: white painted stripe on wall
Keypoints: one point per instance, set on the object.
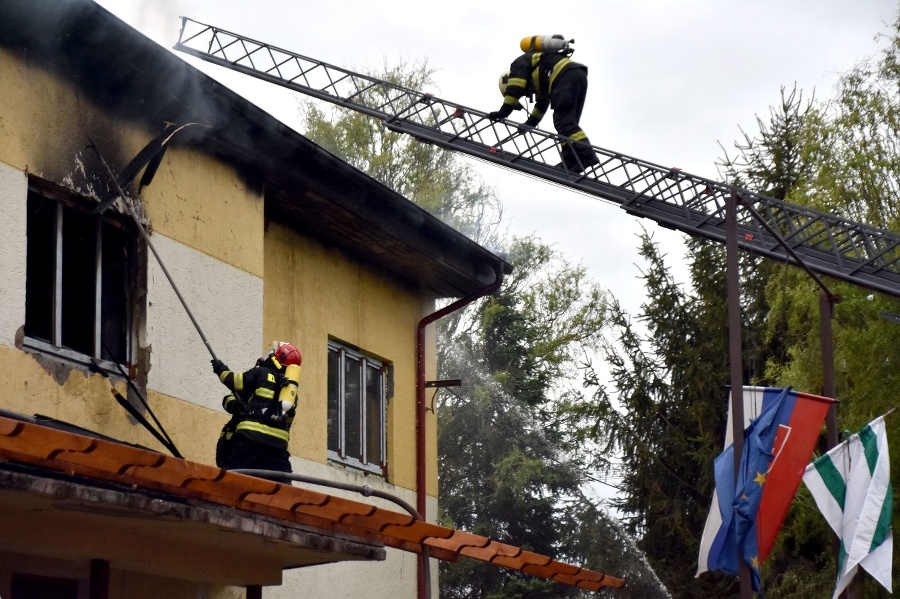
(227, 304)
(13, 231)
(394, 578)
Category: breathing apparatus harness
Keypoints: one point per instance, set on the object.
(538, 46)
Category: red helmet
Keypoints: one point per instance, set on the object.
(287, 354)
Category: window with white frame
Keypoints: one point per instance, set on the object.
(80, 279)
(356, 409)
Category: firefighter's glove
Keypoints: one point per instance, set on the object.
(532, 121)
(500, 114)
(218, 366)
(234, 405)
(525, 127)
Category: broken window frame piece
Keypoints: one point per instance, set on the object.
(357, 409)
(81, 277)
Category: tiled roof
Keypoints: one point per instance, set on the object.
(95, 458)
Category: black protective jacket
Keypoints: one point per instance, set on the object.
(533, 74)
(265, 421)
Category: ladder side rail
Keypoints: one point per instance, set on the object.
(765, 245)
(708, 223)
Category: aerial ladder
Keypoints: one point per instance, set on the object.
(821, 242)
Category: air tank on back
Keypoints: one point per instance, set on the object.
(545, 43)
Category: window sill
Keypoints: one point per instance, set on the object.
(374, 470)
(70, 356)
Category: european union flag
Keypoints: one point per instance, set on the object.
(756, 459)
(781, 429)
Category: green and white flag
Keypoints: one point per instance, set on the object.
(852, 487)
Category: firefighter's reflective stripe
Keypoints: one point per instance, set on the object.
(579, 135)
(542, 78)
(264, 393)
(237, 380)
(536, 73)
(557, 69)
(510, 100)
(257, 427)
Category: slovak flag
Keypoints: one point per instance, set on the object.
(781, 429)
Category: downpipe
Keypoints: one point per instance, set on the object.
(424, 578)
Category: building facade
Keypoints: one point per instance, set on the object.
(266, 237)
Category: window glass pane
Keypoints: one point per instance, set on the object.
(374, 414)
(352, 408)
(41, 267)
(114, 297)
(79, 258)
(334, 393)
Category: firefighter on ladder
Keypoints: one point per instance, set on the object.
(546, 73)
(263, 403)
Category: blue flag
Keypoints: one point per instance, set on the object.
(755, 460)
(781, 429)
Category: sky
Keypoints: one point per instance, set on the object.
(670, 82)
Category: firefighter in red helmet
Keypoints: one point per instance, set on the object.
(263, 403)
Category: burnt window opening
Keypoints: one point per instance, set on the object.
(357, 411)
(80, 279)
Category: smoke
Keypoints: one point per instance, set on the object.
(157, 19)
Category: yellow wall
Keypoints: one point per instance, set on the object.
(201, 202)
(45, 126)
(310, 293)
(193, 198)
(84, 399)
(313, 293)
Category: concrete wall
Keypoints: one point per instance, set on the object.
(13, 189)
(227, 304)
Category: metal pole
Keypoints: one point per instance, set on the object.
(826, 341)
(146, 237)
(735, 358)
(826, 313)
(424, 576)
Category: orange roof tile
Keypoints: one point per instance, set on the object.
(67, 452)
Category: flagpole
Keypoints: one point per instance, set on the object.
(826, 313)
(827, 300)
(732, 274)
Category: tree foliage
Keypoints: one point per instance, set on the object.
(665, 411)
(664, 416)
(433, 178)
(508, 467)
(852, 144)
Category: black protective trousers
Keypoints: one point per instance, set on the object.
(241, 453)
(567, 100)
